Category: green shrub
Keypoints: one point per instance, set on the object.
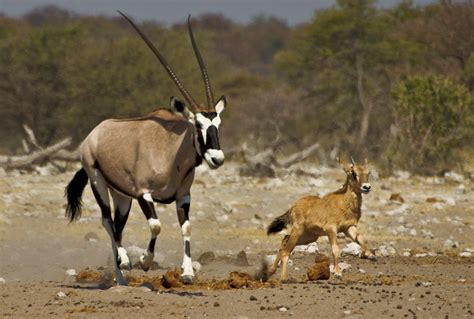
(433, 118)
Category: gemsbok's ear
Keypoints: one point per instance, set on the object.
(179, 107)
(220, 105)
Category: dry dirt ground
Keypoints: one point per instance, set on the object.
(425, 267)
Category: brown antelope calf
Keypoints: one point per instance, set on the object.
(311, 217)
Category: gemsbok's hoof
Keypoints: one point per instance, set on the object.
(146, 260)
(120, 279)
(187, 279)
(125, 265)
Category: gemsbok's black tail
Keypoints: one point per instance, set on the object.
(74, 193)
(279, 223)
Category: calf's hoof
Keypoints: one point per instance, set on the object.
(187, 279)
(372, 258)
(146, 260)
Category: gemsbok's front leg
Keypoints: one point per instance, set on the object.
(148, 208)
(182, 209)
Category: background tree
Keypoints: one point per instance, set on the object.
(433, 117)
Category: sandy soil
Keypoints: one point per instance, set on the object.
(425, 266)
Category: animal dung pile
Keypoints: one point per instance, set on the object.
(320, 269)
(172, 279)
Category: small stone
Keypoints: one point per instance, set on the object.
(242, 259)
(222, 218)
(91, 236)
(216, 304)
(253, 298)
(465, 254)
(283, 309)
(2, 280)
(207, 257)
(454, 177)
(197, 266)
(413, 232)
(462, 280)
(347, 312)
(61, 294)
(396, 197)
(310, 248)
(352, 249)
(228, 208)
(362, 271)
(71, 272)
(426, 284)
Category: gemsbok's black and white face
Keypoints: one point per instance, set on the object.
(207, 126)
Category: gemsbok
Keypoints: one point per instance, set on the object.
(150, 159)
(311, 217)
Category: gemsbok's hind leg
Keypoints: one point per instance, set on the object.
(182, 209)
(148, 208)
(101, 194)
(122, 206)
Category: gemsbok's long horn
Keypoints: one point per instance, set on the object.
(202, 66)
(192, 103)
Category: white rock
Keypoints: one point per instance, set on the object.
(413, 232)
(406, 254)
(402, 229)
(465, 254)
(71, 272)
(197, 266)
(450, 201)
(310, 248)
(460, 190)
(228, 208)
(386, 251)
(222, 218)
(274, 183)
(438, 206)
(352, 249)
(269, 259)
(343, 266)
(134, 253)
(2, 280)
(454, 177)
(362, 271)
(427, 233)
(426, 284)
(421, 255)
(462, 280)
(402, 175)
(283, 309)
(61, 294)
(449, 243)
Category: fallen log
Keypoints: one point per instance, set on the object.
(34, 158)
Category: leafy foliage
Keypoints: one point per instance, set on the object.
(433, 116)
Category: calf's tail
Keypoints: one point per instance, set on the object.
(279, 223)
